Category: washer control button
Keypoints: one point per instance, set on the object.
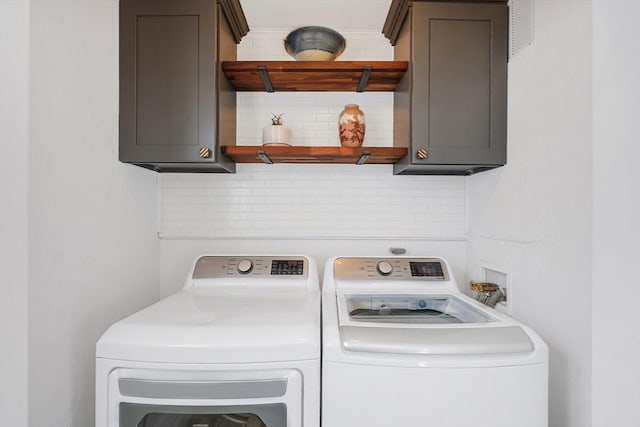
(245, 266)
(384, 268)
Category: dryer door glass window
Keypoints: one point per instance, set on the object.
(202, 420)
(141, 415)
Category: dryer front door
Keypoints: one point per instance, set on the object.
(174, 398)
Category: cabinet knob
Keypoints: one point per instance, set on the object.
(205, 153)
(422, 154)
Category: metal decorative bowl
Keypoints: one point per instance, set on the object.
(314, 44)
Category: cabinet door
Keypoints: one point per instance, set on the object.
(459, 96)
(167, 81)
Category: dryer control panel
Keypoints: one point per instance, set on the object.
(259, 267)
(390, 268)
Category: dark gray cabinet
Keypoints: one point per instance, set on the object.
(450, 108)
(176, 106)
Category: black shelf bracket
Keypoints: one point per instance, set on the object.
(263, 156)
(364, 78)
(363, 158)
(266, 81)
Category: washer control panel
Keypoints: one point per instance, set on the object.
(390, 268)
(217, 267)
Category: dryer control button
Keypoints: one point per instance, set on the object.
(384, 268)
(245, 266)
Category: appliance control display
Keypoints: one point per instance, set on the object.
(426, 269)
(418, 269)
(250, 267)
(287, 267)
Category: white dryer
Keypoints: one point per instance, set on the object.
(402, 346)
(239, 346)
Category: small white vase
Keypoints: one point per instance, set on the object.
(276, 135)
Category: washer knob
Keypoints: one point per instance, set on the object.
(384, 268)
(245, 266)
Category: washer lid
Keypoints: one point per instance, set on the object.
(427, 324)
(436, 341)
(214, 326)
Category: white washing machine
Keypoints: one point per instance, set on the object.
(402, 346)
(238, 346)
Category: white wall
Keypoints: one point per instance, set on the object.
(532, 218)
(93, 248)
(616, 207)
(14, 155)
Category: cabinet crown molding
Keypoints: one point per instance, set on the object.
(235, 16)
(395, 18)
(400, 8)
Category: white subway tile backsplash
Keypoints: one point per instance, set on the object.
(313, 117)
(312, 201)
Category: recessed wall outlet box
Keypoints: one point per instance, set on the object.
(501, 278)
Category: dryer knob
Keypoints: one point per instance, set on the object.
(384, 268)
(245, 266)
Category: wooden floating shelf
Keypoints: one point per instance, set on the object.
(284, 154)
(315, 76)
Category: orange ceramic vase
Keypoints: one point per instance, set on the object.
(351, 126)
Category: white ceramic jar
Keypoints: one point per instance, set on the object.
(276, 135)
